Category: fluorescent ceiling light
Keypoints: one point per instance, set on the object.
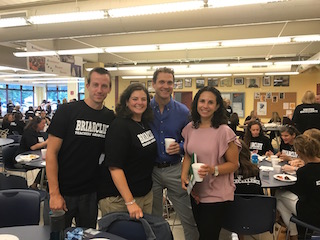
(34, 54)
(255, 42)
(43, 79)
(155, 9)
(188, 75)
(187, 46)
(230, 3)
(217, 75)
(107, 68)
(80, 51)
(27, 75)
(67, 17)
(208, 66)
(298, 62)
(133, 48)
(281, 73)
(58, 82)
(134, 77)
(250, 64)
(137, 68)
(248, 74)
(13, 22)
(309, 38)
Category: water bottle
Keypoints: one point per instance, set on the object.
(254, 158)
(57, 225)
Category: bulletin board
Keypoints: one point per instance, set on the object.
(267, 102)
(237, 102)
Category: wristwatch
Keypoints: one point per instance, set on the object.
(216, 171)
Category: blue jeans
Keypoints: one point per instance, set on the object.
(83, 208)
(170, 178)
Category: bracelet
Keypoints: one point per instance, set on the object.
(130, 203)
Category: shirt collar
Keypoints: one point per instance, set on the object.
(155, 105)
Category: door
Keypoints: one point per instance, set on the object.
(184, 97)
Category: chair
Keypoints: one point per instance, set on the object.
(8, 154)
(133, 229)
(315, 231)
(19, 207)
(15, 137)
(250, 214)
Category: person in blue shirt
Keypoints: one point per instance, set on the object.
(170, 117)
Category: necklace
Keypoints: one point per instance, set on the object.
(140, 124)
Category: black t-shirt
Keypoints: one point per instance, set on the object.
(132, 148)
(29, 138)
(307, 188)
(229, 111)
(83, 132)
(250, 185)
(288, 150)
(260, 143)
(307, 116)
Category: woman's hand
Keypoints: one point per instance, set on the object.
(297, 163)
(284, 157)
(269, 153)
(184, 181)
(205, 170)
(135, 211)
(288, 168)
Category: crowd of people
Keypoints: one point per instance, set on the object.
(119, 162)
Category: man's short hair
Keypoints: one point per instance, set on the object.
(164, 70)
(100, 71)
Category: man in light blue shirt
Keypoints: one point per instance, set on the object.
(170, 117)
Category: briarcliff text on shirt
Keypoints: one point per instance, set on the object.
(309, 110)
(89, 128)
(146, 138)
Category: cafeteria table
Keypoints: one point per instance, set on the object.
(5, 141)
(270, 181)
(38, 163)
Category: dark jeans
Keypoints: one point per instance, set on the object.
(209, 218)
(83, 208)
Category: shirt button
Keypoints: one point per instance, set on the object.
(162, 152)
(161, 121)
(161, 142)
(161, 131)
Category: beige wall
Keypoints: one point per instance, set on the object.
(299, 83)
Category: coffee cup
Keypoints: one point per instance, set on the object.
(168, 142)
(275, 162)
(277, 169)
(195, 169)
(43, 153)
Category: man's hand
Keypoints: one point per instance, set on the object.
(135, 211)
(57, 203)
(174, 148)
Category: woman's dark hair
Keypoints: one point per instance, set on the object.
(33, 124)
(290, 129)
(247, 168)
(219, 117)
(248, 136)
(234, 119)
(6, 118)
(124, 112)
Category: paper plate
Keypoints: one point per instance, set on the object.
(285, 177)
(43, 163)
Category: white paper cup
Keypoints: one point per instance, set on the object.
(273, 157)
(277, 169)
(265, 174)
(43, 153)
(168, 142)
(275, 162)
(195, 168)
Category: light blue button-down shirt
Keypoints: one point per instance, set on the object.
(170, 123)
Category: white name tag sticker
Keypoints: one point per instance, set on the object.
(40, 139)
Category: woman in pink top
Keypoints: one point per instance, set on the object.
(215, 145)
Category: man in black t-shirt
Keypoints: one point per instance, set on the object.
(75, 145)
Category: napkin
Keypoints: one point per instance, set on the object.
(266, 168)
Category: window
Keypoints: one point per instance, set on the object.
(81, 88)
(56, 92)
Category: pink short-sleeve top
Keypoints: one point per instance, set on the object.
(210, 145)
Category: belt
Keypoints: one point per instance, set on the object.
(165, 164)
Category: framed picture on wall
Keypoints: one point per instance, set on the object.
(199, 82)
(213, 82)
(188, 82)
(253, 82)
(266, 81)
(178, 84)
(281, 81)
(149, 86)
(225, 82)
(239, 81)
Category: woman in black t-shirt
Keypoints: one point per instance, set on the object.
(256, 140)
(130, 155)
(304, 196)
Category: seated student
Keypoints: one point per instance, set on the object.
(303, 197)
(18, 125)
(234, 122)
(287, 151)
(33, 140)
(256, 140)
(246, 177)
(274, 119)
(251, 118)
(7, 119)
(29, 114)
